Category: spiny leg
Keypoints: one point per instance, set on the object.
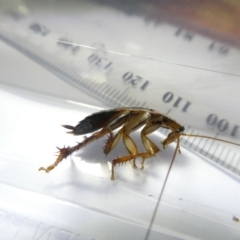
(67, 151)
(112, 141)
(131, 123)
(150, 146)
(120, 160)
(132, 149)
(108, 141)
(144, 156)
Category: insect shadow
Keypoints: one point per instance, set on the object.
(94, 154)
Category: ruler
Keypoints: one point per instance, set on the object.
(191, 78)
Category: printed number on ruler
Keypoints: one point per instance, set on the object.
(222, 125)
(135, 81)
(100, 62)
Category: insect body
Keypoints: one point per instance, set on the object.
(127, 120)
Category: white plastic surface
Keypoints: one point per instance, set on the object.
(78, 200)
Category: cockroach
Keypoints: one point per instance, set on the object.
(128, 120)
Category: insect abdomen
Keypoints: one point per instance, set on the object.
(96, 121)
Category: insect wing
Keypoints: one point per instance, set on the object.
(99, 120)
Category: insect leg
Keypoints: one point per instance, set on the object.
(132, 149)
(150, 146)
(113, 141)
(67, 151)
(172, 137)
(132, 124)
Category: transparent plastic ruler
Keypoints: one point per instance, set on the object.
(125, 60)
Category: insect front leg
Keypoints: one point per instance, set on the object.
(172, 137)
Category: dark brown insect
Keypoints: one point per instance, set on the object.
(128, 120)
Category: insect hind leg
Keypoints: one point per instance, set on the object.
(67, 151)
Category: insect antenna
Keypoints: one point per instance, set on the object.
(213, 138)
(162, 190)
